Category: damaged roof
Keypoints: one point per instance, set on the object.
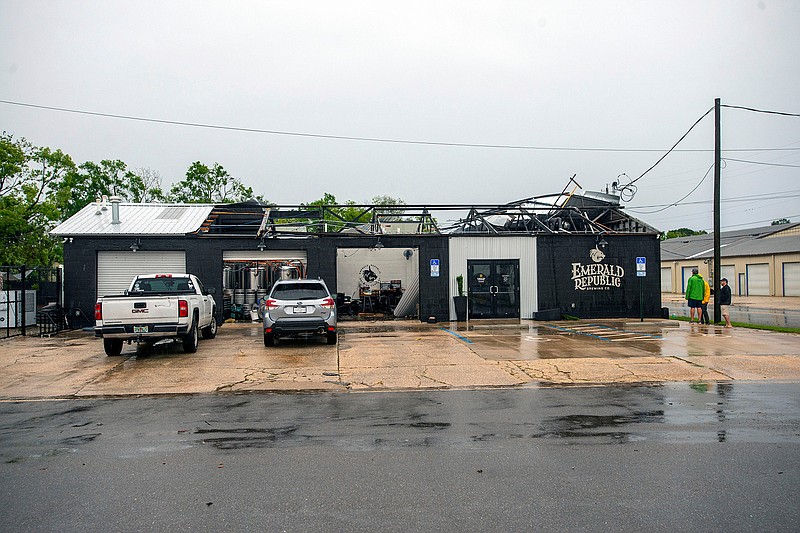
(135, 219)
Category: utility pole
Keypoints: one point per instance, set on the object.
(717, 175)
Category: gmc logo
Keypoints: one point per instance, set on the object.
(140, 310)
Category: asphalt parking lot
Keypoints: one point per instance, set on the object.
(402, 355)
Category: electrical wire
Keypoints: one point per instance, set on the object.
(761, 110)
(378, 139)
(752, 198)
(673, 204)
(660, 159)
(761, 163)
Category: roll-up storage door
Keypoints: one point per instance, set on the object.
(115, 270)
(666, 279)
(791, 279)
(758, 280)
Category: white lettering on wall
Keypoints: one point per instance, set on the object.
(596, 277)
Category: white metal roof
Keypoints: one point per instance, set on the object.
(135, 219)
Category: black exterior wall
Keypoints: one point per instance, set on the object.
(570, 280)
(204, 259)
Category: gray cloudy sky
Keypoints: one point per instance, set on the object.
(618, 75)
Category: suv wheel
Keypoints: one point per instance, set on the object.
(269, 339)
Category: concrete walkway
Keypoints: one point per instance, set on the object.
(403, 355)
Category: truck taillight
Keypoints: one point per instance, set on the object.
(328, 302)
(271, 304)
(183, 308)
(98, 311)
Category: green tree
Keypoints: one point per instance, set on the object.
(29, 180)
(209, 185)
(681, 232)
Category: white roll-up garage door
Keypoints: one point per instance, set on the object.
(115, 270)
(729, 273)
(758, 279)
(791, 279)
(666, 279)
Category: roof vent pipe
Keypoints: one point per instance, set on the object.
(115, 200)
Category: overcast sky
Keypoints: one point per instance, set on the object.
(577, 75)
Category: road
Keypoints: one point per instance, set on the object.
(677, 456)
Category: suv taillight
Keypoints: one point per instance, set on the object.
(183, 308)
(271, 304)
(98, 311)
(328, 302)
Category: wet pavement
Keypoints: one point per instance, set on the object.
(667, 457)
(404, 355)
(761, 310)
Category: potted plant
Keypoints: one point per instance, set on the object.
(460, 301)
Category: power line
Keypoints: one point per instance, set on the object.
(758, 221)
(761, 110)
(753, 198)
(761, 163)
(378, 139)
(660, 159)
(685, 197)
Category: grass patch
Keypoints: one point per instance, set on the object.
(780, 329)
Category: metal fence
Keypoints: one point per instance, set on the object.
(31, 302)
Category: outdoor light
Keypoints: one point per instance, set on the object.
(261, 246)
(137, 243)
(378, 245)
(601, 241)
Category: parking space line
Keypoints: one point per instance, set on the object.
(461, 337)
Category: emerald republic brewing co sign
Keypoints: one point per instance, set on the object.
(596, 276)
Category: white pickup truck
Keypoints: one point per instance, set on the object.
(156, 307)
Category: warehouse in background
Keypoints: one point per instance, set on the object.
(756, 261)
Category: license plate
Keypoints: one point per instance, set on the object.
(140, 329)
(299, 310)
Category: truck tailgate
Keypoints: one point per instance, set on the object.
(130, 309)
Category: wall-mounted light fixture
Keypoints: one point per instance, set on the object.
(601, 241)
(378, 245)
(137, 244)
(261, 246)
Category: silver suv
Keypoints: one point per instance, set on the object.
(299, 306)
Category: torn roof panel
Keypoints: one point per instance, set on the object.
(135, 219)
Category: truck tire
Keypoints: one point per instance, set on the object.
(210, 331)
(112, 346)
(190, 339)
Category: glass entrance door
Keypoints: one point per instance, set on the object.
(493, 288)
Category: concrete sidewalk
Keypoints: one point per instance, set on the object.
(403, 355)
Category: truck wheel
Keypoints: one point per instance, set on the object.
(331, 337)
(190, 339)
(210, 331)
(269, 339)
(112, 346)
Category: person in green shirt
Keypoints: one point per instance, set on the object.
(695, 290)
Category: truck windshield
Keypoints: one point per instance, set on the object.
(163, 285)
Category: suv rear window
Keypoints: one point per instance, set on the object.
(299, 291)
